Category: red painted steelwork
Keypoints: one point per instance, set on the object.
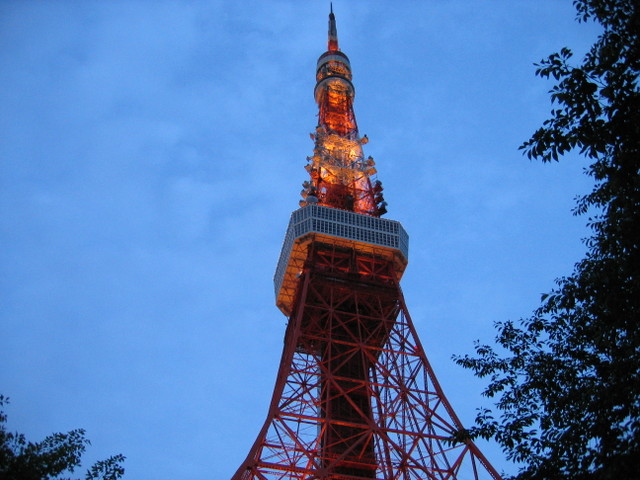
(355, 397)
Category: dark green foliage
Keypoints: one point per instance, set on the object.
(56, 455)
(567, 380)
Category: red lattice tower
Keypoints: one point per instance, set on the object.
(355, 397)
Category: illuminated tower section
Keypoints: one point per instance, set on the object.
(340, 175)
(355, 397)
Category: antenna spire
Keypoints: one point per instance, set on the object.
(333, 31)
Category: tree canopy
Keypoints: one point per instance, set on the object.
(566, 380)
(58, 454)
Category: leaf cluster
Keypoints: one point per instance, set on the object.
(566, 381)
(53, 458)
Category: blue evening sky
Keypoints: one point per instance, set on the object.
(152, 151)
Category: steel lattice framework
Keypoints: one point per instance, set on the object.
(355, 397)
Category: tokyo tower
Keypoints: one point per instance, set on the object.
(355, 397)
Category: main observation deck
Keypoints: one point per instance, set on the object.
(364, 233)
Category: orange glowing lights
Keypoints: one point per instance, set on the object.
(340, 176)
